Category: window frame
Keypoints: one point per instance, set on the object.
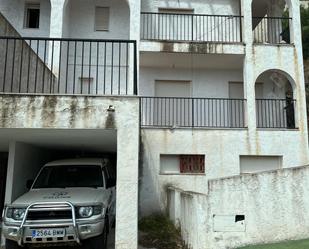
(96, 29)
(29, 6)
(179, 171)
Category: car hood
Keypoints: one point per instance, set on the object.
(77, 196)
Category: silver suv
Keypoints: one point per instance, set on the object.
(70, 202)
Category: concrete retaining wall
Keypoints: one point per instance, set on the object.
(274, 205)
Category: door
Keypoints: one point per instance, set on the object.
(175, 24)
(236, 107)
(3, 172)
(173, 103)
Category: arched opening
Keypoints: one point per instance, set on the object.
(96, 19)
(275, 100)
(271, 21)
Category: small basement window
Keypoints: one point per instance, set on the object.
(182, 164)
(32, 16)
(255, 164)
(102, 18)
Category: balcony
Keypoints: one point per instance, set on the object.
(172, 112)
(68, 66)
(194, 33)
(271, 30)
(191, 27)
(275, 113)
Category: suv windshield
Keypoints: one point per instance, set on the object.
(68, 176)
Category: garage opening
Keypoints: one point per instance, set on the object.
(75, 166)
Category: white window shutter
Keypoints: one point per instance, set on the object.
(102, 18)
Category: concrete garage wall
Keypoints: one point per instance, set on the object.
(24, 163)
(274, 206)
(222, 150)
(59, 112)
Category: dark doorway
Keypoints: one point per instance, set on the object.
(3, 171)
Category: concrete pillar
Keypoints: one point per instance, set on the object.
(248, 73)
(56, 31)
(127, 186)
(299, 92)
(56, 18)
(135, 23)
(10, 174)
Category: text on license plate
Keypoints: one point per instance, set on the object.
(45, 233)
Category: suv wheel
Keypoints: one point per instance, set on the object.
(10, 244)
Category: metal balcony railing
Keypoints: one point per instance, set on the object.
(192, 112)
(275, 113)
(273, 30)
(191, 27)
(68, 66)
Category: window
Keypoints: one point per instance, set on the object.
(73, 176)
(255, 164)
(182, 164)
(32, 16)
(192, 164)
(172, 111)
(102, 18)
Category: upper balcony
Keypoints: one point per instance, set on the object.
(197, 33)
(272, 22)
(68, 66)
(216, 28)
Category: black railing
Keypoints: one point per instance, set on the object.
(275, 113)
(191, 27)
(192, 112)
(68, 66)
(273, 30)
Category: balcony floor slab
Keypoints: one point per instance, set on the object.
(192, 47)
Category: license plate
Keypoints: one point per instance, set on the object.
(47, 233)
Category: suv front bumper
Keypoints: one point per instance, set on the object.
(85, 230)
(75, 230)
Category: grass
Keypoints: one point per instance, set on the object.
(157, 231)
(299, 244)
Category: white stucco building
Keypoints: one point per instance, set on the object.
(202, 90)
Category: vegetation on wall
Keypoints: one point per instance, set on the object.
(157, 231)
(305, 30)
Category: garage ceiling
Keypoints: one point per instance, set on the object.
(94, 140)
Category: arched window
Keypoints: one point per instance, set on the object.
(275, 102)
(271, 22)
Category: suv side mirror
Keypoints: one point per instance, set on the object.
(29, 184)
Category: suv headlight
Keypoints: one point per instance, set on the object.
(88, 211)
(16, 213)
(85, 212)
